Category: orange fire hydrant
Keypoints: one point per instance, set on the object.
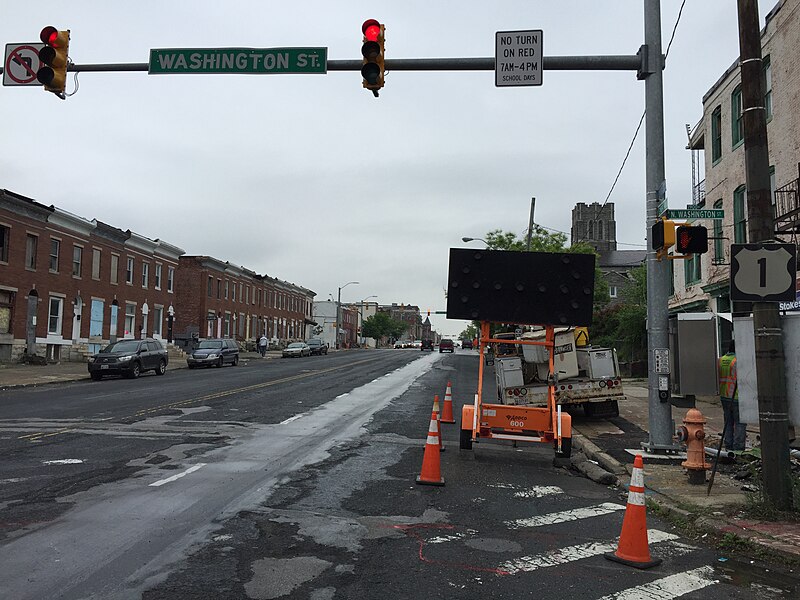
(694, 435)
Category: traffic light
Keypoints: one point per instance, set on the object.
(53, 75)
(372, 51)
(663, 234)
(691, 239)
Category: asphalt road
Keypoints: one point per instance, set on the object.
(295, 479)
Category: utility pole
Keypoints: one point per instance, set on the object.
(660, 410)
(768, 335)
(530, 223)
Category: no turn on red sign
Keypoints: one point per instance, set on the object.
(21, 63)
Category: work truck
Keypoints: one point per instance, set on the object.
(583, 375)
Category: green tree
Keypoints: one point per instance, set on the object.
(470, 333)
(546, 241)
(381, 325)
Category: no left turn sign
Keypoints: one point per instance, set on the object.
(21, 63)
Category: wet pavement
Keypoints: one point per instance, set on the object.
(606, 442)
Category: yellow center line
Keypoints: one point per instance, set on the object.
(248, 388)
(35, 437)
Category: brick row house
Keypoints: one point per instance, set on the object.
(69, 286)
(224, 300)
(702, 283)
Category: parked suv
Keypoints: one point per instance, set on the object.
(427, 345)
(446, 346)
(129, 358)
(216, 352)
(317, 346)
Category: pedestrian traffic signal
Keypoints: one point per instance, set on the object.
(691, 239)
(53, 75)
(663, 234)
(372, 51)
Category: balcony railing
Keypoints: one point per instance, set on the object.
(699, 193)
(787, 207)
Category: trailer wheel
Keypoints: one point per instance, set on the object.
(566, 448)
(465, 441)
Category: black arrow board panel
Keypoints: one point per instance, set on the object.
(537, 288)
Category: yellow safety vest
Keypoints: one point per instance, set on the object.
(727, 377)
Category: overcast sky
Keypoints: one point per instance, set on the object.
(311, 179)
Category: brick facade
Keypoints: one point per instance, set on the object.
(86, 283)
(224, 300)
(74, 276)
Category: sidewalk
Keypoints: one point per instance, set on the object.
(603, 441)
(667, 483)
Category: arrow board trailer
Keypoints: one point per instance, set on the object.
(545, 288)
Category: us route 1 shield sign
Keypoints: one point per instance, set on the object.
(763, 272)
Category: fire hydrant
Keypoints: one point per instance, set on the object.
(694, 435)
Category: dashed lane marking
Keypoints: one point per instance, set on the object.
(667, 588)
(567, 515)
(161, 482)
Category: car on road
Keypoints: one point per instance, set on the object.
(317, 346)
(446, 346)
(399, 344)
(296, 349)
(426, 345)
(214, 353)
(466, 344)
(129, 358)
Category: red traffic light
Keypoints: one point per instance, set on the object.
(49, 36)
(371, 30)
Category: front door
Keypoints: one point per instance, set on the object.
(96, 325)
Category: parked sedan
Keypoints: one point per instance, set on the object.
(317, 346)
(214, 353)
(296, 349)
(129, 358)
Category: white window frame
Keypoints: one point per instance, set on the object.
(97, 254)
(158, 320)
(129, 268)
(56, 256)
(130, 315)
(157, 280)
(59, 316)
(145, 274)
(170, 278)
(77, 265)
(612, 291)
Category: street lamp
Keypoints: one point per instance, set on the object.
(339, 309)
(361, 318)
(473, 239)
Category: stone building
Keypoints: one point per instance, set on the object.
(594, 224)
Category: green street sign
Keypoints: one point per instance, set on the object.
(238, 60)
(695, 213)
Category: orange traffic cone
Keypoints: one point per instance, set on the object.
(632, 549)
(447, 409)
(431, 473)
(438, 412)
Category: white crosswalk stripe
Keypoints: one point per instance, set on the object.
(569, 554)
(567, 515)
(667, 588)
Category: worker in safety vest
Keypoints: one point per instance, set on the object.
(735, 432)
